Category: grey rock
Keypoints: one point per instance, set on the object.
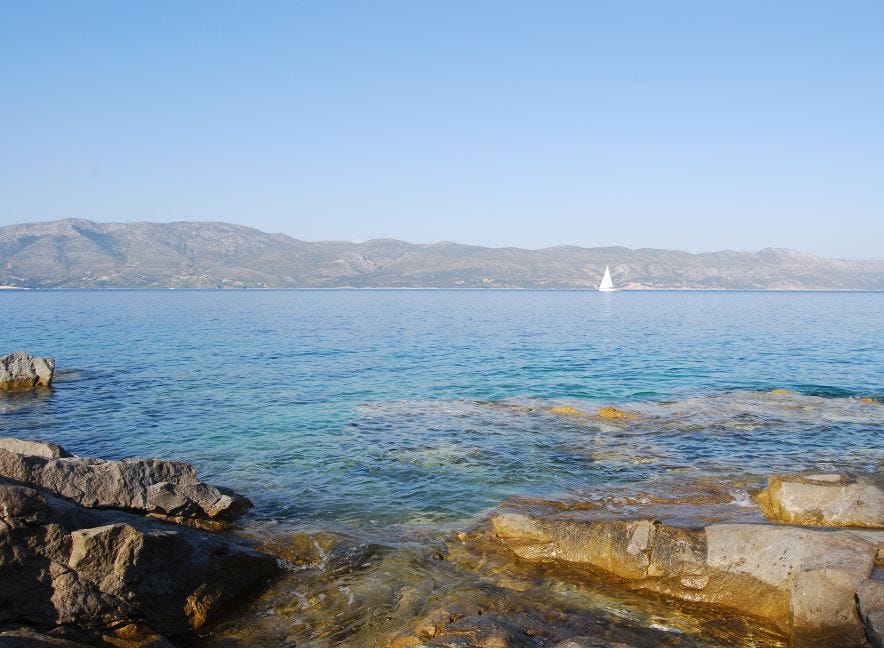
(33, 448)
(870, 604)
(834, 499)
(65, 565)
(20, 371)
(168, 488)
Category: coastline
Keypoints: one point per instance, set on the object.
(443, 289)
(487, 584)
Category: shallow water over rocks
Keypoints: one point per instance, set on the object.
(390, 422)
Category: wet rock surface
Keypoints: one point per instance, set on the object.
(168, 488)
(802, 580)
(828, 499)
(689, 566)
(460, 590)
(20, 371)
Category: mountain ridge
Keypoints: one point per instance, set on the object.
(79, 253)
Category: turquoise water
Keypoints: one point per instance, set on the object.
(374, 407)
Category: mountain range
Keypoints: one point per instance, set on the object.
(75, 253)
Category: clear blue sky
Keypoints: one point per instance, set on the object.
(693, 125)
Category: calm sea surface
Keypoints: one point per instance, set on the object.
(363, 408)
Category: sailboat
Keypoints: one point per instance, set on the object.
(607, 285)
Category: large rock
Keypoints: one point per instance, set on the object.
(19, 371)
(63, 565)
(803, 580)
(168, 488)
(824, 500)
(870, 602)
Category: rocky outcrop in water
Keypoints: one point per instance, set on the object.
(803, 580)
(837, 500)
(167, 488)
(20, 371)
(82, 573)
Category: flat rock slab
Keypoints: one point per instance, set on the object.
(20, 371)
(168, 488)
(803, 580)
(831, 499)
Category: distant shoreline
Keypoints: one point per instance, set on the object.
(443, 289)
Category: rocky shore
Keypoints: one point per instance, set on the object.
(128, 553)
(810, 569)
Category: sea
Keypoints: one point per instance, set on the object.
(372, 411)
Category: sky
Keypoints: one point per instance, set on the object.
(673, 124)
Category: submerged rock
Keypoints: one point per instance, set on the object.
(603, 413)
(614, 413)
(803, 580)
(823, 500)
(168, 488)
(20, 371)
(567, 410)
(98, 570)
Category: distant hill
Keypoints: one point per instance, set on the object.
(83, 254)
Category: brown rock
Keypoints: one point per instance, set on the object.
(616, 546)
(19, 371)
(614, 413)
(566, 410)
(803, 580)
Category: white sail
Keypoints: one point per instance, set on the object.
(607, 285)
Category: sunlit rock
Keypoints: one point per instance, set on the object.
(33, 448)
(834, 499)
(803, 580)
(20, 371)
